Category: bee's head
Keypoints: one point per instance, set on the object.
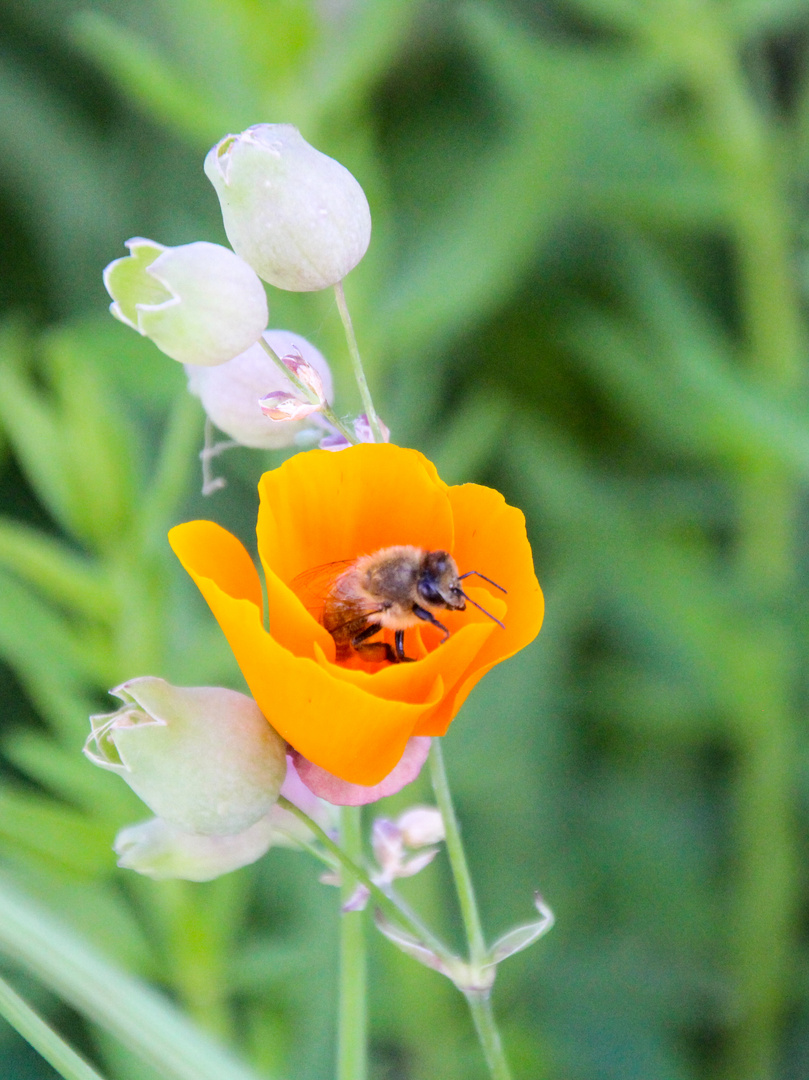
(438, 581)
(440, 584)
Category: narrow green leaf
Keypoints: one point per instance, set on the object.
(674, 590)
(49, 565)
(33, 431)
(39, 639)
(54, 832)
(147, 78)
(139, 1017)
(42, 1037)
(66, 773)
(98, 444)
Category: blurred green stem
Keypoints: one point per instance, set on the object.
(479, 1001)
(697, 37)
(352, 1033)
(356, 361)
(42, 1037)
(480, 1004)
(196, 943)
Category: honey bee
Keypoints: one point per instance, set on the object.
(392, 589)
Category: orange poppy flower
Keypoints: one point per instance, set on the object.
(354, 719)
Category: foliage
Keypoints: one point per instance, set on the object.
(585, 288)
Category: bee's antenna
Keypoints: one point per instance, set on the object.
(477, 573)
(483, 609)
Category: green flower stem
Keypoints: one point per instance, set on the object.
(196, 948)
(479, 1000)
(457, 857)
(42, 1037)
(392, 905)
(356, 361)
(744, 144)
(480, 1004)
(352, 1028)
(306, 393)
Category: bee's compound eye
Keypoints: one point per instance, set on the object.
(428, 592)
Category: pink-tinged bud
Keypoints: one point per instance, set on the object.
(231, 393)
(298, 217)
(388, 842)
(421, 826)
(306, 374)
(199, 303)
(357, 900)
(279, 407)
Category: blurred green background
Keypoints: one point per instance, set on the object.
(586, 287)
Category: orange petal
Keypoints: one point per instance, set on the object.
(490, 538)
(319, 507)
(347, 731)
(216, 553)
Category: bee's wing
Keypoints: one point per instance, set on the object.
(313, 587)
(320, 586)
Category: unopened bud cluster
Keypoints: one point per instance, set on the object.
(298, 220)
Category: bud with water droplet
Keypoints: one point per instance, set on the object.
(298, 217)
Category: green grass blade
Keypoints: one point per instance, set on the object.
(42, 1037)
(137, 1016)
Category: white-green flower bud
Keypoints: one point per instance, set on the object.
(203, 758)
(160, 850)
(231, 392)
(199, 303)
(297, 216)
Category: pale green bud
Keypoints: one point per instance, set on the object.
(160, 850)
(203, 758)
(199, 303)
(297, 216)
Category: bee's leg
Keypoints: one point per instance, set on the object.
(363, 635)
(375, 651)
(426, 616)
(400, 654)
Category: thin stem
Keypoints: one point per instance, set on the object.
(390, 903)
(457, 857)
(480, 1005)
(42, 1037)
(479, 1000)
(209, 451)
(305, 392)
(352, 1030)
(356, 361)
